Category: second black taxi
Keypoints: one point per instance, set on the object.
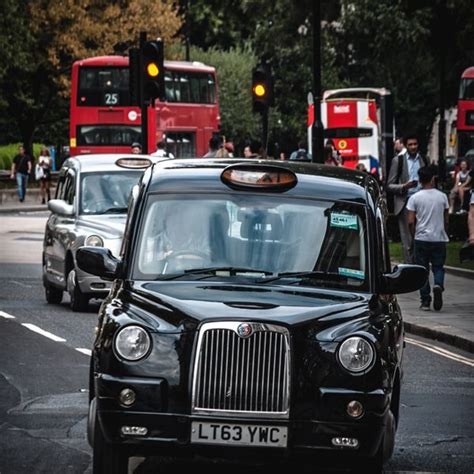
(253, 309)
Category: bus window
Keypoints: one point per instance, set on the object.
(107, 135)
(103, 86)
(348, 132)
(181, 144)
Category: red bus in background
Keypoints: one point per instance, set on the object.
(465, 119)
(103, 121)
(353, 127)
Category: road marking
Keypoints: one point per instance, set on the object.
(24, 285)
(442, 352)
(87, 352)
(44, 333)
(6, 315)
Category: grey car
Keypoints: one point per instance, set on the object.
(90, 208)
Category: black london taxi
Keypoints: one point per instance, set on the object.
(252, 310)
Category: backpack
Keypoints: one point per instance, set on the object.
(301, 155)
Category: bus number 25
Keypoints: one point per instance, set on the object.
(111, 99)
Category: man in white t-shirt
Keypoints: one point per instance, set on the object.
(428, 220)
(161, 150)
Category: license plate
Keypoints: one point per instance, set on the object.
(239, 434)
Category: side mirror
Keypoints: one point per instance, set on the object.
(58, 206)
(404, 279)
(98, 261)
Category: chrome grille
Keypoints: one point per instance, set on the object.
(242, 375)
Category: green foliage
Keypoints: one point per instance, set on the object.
(234, 72)
(8, 152)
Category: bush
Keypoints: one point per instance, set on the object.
(8, 152)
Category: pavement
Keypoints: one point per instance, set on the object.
(452, 325)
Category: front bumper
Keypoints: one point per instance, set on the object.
(168, 432)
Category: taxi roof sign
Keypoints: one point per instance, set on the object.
(259, 177)
(133, 163)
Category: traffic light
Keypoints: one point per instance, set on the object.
(262, 88)
(153, 70)
(135, 89)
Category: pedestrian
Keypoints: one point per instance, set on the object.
(398, 146)
(361, 167)
(460, 186)
(300, 154)
(229, 146)
(335, 152)
(44, 164)
(329, 158)
(213, 147)
(428, 219)
(402, 183)
(162, 151)
(21, 168)
(256, 150)
(136, 148)
(247, 151)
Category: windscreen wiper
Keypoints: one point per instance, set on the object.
(212, 271)
(317, 275)
(115, 210)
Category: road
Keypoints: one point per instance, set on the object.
(44, 363)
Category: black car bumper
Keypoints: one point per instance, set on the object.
(170, 433)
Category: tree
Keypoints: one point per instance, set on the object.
(50, 34)
(234, 72)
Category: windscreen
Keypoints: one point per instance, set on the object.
(107, 192)
(103, 86)
(273, 234)
(466, 89)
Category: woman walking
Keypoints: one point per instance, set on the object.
(45, 162)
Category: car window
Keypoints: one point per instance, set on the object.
(107, 192)
(273, 234)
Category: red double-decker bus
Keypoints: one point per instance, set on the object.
(465, 120)
(103, 121)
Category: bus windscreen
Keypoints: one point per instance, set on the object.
(103, 86)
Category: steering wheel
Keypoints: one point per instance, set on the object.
(186, 255)
(99, 205)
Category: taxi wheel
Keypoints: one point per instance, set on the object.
(79, 302)
(53, 295)
(107, 458)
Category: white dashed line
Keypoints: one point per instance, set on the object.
(6, 315)
(44, 333)
(87, 352)
(442, 352)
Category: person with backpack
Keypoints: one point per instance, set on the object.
(300, 154)
(402, 183)
(161, 150)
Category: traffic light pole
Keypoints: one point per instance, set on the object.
(265, 131)
(318, 128)
(144, 103)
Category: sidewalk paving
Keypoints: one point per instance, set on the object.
(453, 325)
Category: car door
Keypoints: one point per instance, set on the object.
(62, 228)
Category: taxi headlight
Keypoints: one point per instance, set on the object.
(94, 241)
(356, 354)
(132, 343)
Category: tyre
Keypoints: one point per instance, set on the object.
(79, 301)
(53, 295)
(107, 458)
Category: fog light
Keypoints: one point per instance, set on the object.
(341, 442)
(355, 409)
(134, 430)
(127, 397)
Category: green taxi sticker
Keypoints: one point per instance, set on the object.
(346, 221)
(351, 273)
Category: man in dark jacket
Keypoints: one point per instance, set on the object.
(21, 169)
(402, 182)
